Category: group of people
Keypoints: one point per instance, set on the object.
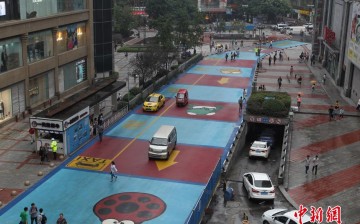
(233, 55)
(304, 56)
(314, 162)
(97, 126)
(336, 112)
(37, 216)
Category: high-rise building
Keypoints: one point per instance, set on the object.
(47, 52)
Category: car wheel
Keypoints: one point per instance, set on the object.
(266, 222)
(167, 156)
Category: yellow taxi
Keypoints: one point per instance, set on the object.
(154, 102)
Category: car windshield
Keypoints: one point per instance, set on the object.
(263, 183)
(158, 141)
(152, 99)
(256, 145)
(180, 95)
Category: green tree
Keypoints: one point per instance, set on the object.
(270, 8)
(124, 21)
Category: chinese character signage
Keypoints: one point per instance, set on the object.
(266, 120)
(332, 214)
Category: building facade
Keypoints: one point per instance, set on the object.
(46, 50)
(338, 45)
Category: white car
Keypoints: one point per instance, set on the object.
(259, 149)
(283, 216)
(259, 186)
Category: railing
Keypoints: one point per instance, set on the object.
(115, 117)
(284, 150)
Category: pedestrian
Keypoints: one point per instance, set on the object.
(324, 78)
(241, 43)
(61, 219)
(226, 56)
(100, 129)
(42, 152)
(274, 59)
(24, 216)
(331, 113)
(315, 164)
(54, 147)
(299, 80)
(298, 100)
(271, 43)
(244, 94)
(42, 219)
(32, 135)
(341, 113)
(358, 105)
(126, 54)
(100, 119)
(279, 81)
(291, 71)
(313, 59)
(113, 171)
(313, 87)
(240, 103)
(336, 108)
(33, 213)
(269, 60)
(307, 163)
(94, 127)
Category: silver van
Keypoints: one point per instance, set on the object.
(163, 142)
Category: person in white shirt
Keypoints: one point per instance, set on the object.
(358, 105)
(315, 164)
(113, 171)
(307, 163)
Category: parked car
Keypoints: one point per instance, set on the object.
(154, 102)
(284, 216)
(182, 97)
(259, 149)
(259, 186)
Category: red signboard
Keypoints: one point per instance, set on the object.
(329, 35)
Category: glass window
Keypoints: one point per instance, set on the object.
(11, 54)
(72, 74)
(40, 46)
(70, 5)
(41, 88)
(70, 37)
(5, 105)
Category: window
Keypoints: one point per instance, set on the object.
(281, 219)
(10, 54)
(40, 46)
(72, 74)
(41, 88)
(70, 37)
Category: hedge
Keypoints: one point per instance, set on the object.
(271, 104)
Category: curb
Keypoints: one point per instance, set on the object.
(287, 196)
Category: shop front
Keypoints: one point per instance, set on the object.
(70, 133)
(12, 101)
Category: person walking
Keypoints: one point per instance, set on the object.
(240, 104)
(279, 81)
(42, 219)
(100, 129)
(358, 105)
(298, 100)
(313, 87)
(313, 59)
(54, 147)
(61, 219)
(42, 152)
(33, 213)
(315, 164)
(269, 60)
(274, 58)
(331, 113)
(341, 113)
(324, 78)
(291, 71)
(24, 216)
(113, 171)
(307, 163)
(226, 56)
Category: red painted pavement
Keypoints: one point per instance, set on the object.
(292, 79)
(226, 111)
(192, 164)
(296, 71)
(5, 194)
(319, 189)
(222, 62)
(292, 85)
(311, 121)
(213, 80)
(325, 145)
(318, 96)
(326, 107)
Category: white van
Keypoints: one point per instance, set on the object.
(281, 26)
(163, 142)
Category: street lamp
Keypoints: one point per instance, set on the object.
(128, 94)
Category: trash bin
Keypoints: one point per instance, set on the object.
(229, 194)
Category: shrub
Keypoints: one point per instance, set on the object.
(272, 104)
(135, 90)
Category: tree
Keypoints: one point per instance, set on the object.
(124, 21)
(270, 8)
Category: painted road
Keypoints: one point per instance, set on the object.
(151, 191)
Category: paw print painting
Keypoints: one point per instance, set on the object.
(129, 208)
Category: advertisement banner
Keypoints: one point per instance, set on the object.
(354, 43)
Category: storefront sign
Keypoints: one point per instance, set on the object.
(2, 9)
(46, 124)
(329, 35)
(76, 117)
(354, 42)
(266, 120)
